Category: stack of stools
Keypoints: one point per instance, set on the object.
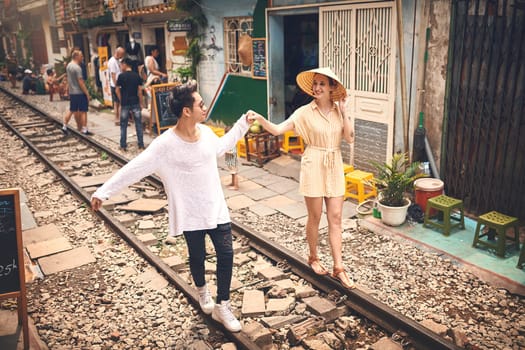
(500, 223)
(292, 141)
(359, 186)
(446, 205)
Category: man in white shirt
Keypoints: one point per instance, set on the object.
(196, 204)
(114, 70)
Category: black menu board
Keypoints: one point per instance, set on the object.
(259, 58)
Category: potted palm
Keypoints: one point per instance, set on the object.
(393, 180)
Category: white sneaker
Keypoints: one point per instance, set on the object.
(222, 313)
(205, 300)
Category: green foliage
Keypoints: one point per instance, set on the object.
(394, 179)
(195, 16)
(93, 91)
(104, 156)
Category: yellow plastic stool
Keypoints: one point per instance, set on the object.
(500, 223)
(241, 148)
(292, 141)
(357, 188)
(447, 205)
(218, 131)
(347, 168)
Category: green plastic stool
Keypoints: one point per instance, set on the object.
(446, 205)
(500, 223)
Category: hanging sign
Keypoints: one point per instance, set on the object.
(259, 58)
(177, 25)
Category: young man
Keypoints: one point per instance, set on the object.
(78, 94)
(129, 92)
(185, 158)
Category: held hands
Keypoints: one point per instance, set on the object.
(96, 203)
(252, 116)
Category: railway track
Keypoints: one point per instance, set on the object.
(82, 163)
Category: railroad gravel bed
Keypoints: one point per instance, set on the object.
(110, 302)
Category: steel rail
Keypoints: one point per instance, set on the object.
(240, 338)
(370, 308)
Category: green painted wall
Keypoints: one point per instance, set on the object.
(238, 94)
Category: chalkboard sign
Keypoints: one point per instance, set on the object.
(10, 242)
(259, 58)
(12, 276)
(161, 107)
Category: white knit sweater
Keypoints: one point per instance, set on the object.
(189, 173)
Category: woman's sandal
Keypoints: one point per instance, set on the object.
(336, 275)
(321, 269)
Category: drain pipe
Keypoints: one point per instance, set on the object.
(430, 158)
(421, 90)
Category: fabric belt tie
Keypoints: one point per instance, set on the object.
(329, 155)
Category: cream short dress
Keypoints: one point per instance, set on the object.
(321, 164)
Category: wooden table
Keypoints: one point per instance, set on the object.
(263, 147)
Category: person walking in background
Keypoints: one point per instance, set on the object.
(185, 158)
(114, 71)
(322, 124)
(78, 94)
(129, 91)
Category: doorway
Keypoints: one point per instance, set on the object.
(301, 40)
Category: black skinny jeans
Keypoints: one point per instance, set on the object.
(222, 241)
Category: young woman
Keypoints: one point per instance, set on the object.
(322, 124)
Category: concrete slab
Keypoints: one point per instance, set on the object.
(125, 196)
(277, 202)
(66, 260)
(262, 210)
(294, 211)
(87, 181)
(267, 179)
(280, 305)
(145, 205)
(239, 202)
(28, 221)
(251, 172)
(283, 186)
(253, 303)
(48, 247)
(260, 193)
(39, 234)
(175, 262)
(148, 239)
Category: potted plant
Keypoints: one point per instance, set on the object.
(393, 180)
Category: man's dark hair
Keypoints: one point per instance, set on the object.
(127, 61)
(49, 71)
(182, 96)
(152, 48)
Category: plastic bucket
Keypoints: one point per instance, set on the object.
(426, 188)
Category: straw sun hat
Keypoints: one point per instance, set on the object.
(305, 81)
